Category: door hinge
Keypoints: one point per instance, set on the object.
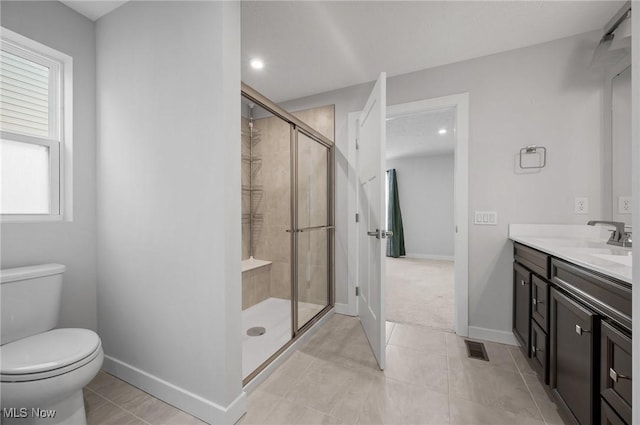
(357, 218)
(357, 291)
(357, 145)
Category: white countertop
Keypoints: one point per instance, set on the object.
(579, 244)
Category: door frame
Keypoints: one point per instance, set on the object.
(461, 201)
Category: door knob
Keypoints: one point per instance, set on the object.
(376, 233)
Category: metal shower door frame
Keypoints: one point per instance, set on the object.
(297, 126)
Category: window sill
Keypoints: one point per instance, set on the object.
(31, 218)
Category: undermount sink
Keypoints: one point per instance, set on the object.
(624, 259)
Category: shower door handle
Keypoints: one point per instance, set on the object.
(376, 233)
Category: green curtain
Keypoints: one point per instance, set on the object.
(395, 244)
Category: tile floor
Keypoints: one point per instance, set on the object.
(334, 379)
(420, 292)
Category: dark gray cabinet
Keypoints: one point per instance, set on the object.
(608, 416)
(575, 326)
(540, 351)
(522, 306)
(573, 370)
(540, 302)
(616, 370)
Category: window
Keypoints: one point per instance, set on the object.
(35, 130)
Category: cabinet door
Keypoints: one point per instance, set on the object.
(574, 331)
(608, 416)
(540, 351)
(615, 370)
(522, 307)
(539, 302)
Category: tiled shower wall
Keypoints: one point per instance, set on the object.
(271, 204)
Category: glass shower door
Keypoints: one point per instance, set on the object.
(314, 228)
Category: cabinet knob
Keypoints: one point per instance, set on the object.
(580, 331)
(522, 282)
(537, 301)
(615, 375)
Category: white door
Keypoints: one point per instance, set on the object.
(371, 228)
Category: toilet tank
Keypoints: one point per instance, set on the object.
(30, 300)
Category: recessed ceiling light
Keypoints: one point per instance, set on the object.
(256, 63)
(442, 131)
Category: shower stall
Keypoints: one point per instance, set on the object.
(287, 225)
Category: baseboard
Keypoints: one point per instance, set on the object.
(431, 257)
(181, 398)
(342, 309)
(264, 374)
(492, 335)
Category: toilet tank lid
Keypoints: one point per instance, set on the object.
(30, 272)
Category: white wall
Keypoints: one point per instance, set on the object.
(70, 243)
(544, 94)
(169, 290)
(425, 185)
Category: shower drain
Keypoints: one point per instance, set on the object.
(256, 331)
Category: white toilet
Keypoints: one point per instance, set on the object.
(42, 369)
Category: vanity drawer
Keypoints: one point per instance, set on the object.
(536, 261)
(615, 370)
(540, 351)
(540, 302)
(607, 296)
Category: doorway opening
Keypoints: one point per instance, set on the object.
(420, 160)
(458, 105)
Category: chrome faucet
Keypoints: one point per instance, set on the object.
(619, 237)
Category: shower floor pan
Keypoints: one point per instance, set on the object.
(273, 314)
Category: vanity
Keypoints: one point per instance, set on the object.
(572, 318)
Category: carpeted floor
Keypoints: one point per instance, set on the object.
(420, 291)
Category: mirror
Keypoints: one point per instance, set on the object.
(618, 190)
(621, 146)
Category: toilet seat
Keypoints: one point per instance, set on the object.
(48, 354)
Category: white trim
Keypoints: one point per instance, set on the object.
(431, 257)
(191, 403)
(493, 335)
(275, 364)
(342, 308)
(461, 199)
(352, 208)
(60, 140)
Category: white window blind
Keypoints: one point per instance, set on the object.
(24, 96)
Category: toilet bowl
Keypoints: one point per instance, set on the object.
(42, 370)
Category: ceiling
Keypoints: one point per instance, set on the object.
(93, 9)
(311, 47)
(418, 134)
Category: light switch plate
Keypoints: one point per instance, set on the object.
(624, 204)
(581, 205)
(485, 218)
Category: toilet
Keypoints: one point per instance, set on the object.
(42, 369)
